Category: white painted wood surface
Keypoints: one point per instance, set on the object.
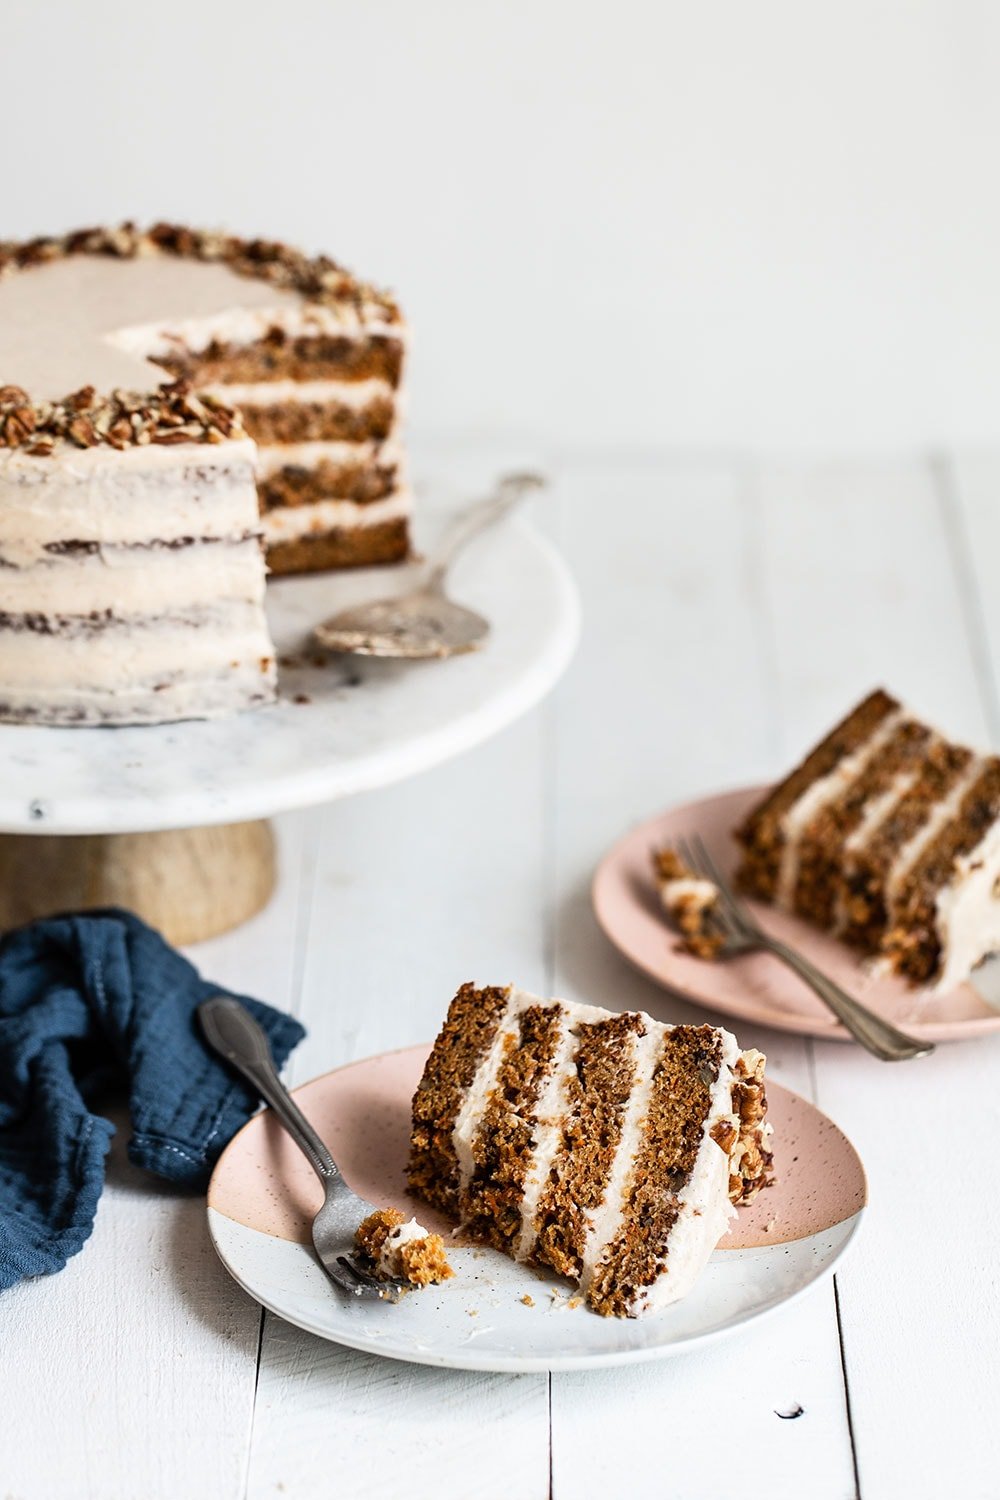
(732, 610)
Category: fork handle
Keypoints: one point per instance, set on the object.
(233, 1033)
(879, 1036)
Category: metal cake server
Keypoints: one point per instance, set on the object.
(741, 933)
(233, 1033)
(426, 624)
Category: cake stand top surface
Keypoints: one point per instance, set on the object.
(342, 725)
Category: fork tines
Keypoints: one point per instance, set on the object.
(731, 912)
(362, 1279)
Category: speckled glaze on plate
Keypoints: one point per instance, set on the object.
(759, 988)
(263, 1194)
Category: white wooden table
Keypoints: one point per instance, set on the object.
(732, 610)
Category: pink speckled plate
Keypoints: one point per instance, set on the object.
(759, 988)
(494, 1314)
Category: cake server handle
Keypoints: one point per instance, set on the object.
(509, 492)
(878, 1035)
(232, 1032)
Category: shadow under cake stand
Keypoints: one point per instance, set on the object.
(171, 822)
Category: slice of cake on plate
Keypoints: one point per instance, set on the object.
(133, 502)
(610, 1148)
(888, 836)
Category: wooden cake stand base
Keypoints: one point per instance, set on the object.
(188, 883)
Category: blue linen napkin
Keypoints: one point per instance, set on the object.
(88, 1004)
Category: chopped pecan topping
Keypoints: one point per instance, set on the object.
(724, 1134)
(315, 277)
(172, 414)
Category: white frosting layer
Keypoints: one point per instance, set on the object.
(184, 696)
(968, 912)
(705, 1209)
(136, 581)
(246, 324)
(293, 521)
(389, 1262)
(272, 457)
(193, 489)
(356, 394)
(687, 891)
(144, 655)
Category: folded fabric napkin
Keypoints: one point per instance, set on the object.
(89, 1004)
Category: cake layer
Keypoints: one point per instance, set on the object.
(304, 473)
(300, 411)
(281, 356)
(337, 533)
(609, 1147)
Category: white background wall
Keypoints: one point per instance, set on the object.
(767, 224)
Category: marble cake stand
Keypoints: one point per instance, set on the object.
(171, 821)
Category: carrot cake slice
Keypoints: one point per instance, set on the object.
(608, 1147)
(888, 836)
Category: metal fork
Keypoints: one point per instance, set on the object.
(741, 934)
(234, 1034)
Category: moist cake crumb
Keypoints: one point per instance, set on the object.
(398, 1247)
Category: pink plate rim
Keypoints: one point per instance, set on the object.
(627, 926)
(362, 1110)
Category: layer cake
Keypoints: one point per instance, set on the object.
(888, 836)
(608, 1147)
(133, 497)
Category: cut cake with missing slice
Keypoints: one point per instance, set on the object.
(609, 1147)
